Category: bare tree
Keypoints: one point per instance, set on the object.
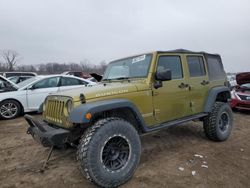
(85, 65)
(102, 67)
(54, 67)
(26, 68)
(10, 57)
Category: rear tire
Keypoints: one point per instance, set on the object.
(109, 152)
(218, 124)
(9, 109)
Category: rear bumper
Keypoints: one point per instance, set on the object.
(239, 104)
(45, 134)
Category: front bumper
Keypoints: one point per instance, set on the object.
(45, 134)
(240, 104)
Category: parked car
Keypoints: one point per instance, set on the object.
(6, 85)
(18, 79)
(241, 93)
(30, 94)
(137, 95)
(9, 74)
(77, 74)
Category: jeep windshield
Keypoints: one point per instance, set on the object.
(132, 67)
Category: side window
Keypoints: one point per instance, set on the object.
(196, 66)
(170, 62)
(47, 83)
(215, 68)
(14, 79)
(71, 82)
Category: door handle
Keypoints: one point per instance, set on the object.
(204, 82)
(182, 85)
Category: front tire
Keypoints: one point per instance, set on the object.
(218, 124)
(9, 109)
(109, 152)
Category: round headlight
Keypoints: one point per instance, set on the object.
(44, 106)
(69, 106)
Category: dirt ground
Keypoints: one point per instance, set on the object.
(163, 153)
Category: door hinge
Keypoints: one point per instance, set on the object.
(156, 111)
(154, 93)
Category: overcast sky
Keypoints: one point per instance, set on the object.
(74, 30)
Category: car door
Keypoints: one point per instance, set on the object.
(198, 82)
(37, 93)
(68, 83)
(171, 100)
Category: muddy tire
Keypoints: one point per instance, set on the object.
(109, 152)
(218, 124)
(9, 109)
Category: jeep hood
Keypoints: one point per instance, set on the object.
(102, 90)
(243, 78)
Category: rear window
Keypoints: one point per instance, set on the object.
(9, 74)
(28, 74)
(215, 68)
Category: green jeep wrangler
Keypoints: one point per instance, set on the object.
(137, 95)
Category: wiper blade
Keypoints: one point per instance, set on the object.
(106, 79)
(119, 78)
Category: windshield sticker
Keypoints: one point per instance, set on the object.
(138, 59)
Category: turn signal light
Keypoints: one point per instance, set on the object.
(88, 116)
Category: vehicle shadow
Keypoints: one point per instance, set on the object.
(172, 139)
(238, 111)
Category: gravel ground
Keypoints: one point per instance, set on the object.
(170, 158)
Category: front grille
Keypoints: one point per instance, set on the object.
(244, 97)
(54, 110)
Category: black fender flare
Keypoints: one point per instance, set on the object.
(212, 95)
(77, 115)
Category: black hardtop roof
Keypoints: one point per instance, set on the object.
(175, 51)
(187, 51)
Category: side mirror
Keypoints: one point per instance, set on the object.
(163, 75)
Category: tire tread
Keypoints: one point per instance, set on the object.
(81, 155)
(210, 122)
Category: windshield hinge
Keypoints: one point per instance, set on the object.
(154, 93)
